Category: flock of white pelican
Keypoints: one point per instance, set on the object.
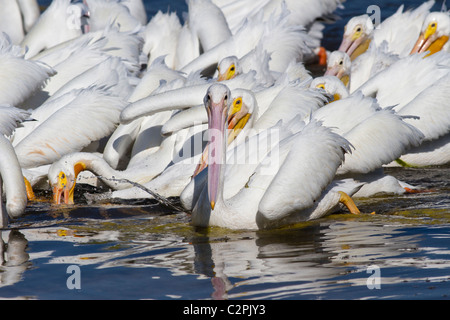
(219, 110)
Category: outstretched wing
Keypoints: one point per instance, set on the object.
(310, 165)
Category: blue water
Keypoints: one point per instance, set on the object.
(142, 252)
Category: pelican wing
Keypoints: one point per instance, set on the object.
(310, 166)
(89, 117)
(379, 140)
(402, 28)
(431, 108)
(400, 83)
(344, 114)
(10, 117)
(181, 98)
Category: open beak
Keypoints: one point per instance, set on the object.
(62, 192)
(222, 77)
(216, 130)
(334, 71)
(235, 125)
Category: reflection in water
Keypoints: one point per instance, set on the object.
(324, 259)
(13, 257)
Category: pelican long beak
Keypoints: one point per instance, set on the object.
(354, 46)
(217, 115)
(332, 71)
(223, 77)
(62, 192)
(64, 189)
(235, 125)
(428, 41)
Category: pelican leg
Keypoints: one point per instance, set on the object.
(348, 202)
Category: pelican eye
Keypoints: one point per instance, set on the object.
(433, 25)
(232, 68)
(341, 62)
(358, 29)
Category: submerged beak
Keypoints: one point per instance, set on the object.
(421, 44)
(354, 46)
(62, 192)
(62, 188)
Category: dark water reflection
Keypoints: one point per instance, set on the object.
(142, 252)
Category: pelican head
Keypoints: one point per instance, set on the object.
(339, 65)
(217, 105)
(332, 86)
(434, 34)
(228, 68)
(357, 33)
(243, 107)
(62, 176)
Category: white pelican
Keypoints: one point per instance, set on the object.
(354, 73)
(400, 31)
(305, 165)
(339, 65)
(282, 101)
(418, 86)
(434, 34)
(19, 78)
(257, 60)
(379, 136)
(61, 21)
(12, 182)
